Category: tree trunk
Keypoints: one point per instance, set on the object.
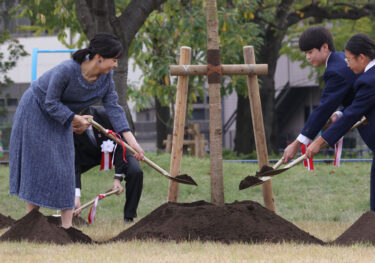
(120, 78)
(214, 82)
(100, 16)
(162, 127)
(244, 138)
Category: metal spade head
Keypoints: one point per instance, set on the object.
(249, 181)
(272, 172)
(183, 179)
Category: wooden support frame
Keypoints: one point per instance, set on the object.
(214, 70)
(179, 124)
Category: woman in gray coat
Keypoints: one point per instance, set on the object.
(41, 164)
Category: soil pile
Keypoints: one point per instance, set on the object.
(35, 227)
(77, 221)
(244, 221)
(362, 231)
(6, 221)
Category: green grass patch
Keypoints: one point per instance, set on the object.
(326, 194)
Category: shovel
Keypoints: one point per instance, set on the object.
(107, 193)
(267, 172)
(265, 176)
(183, 179)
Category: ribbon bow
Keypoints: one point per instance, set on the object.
(107, 147)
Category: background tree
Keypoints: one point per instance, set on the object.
(264, 24)
(10, 52)
(278, 18)
(122, 18)
(156, 47)
(173, 26)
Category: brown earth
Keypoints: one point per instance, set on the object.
(245, 221)
(6, 221)
(76, 221)
(362, 231)
(35, 227)
(249, 181)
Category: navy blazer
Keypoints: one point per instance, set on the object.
(339, 80)
(362, 105)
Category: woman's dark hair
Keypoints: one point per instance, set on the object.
(361, 44)
(315, 37)
(104, 44)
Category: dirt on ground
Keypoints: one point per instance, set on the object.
(76, 221)
(245, 221)
(6, 221)
(34, 227)
(362, 231)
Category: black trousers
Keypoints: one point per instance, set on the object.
(131, 169)
(133, 180)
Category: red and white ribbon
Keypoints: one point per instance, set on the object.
(91, 216)
(309, 161)
(338, 152)
(107, 149)
(110, 132)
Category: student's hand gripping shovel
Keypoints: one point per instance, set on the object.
(183, 179)
(266, 173)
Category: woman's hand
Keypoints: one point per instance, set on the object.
(129, 137)
(140, 154)
(80, 123)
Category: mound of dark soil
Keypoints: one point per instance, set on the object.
(245, 221)
(77, 221)
(6, 221)
(35, 227)
(362, 231)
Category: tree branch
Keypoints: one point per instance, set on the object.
(85, 18)
(100, 13)
(337, 11)
(114, 21)
(135, 15)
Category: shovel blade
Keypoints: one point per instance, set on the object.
(271, 172)
(183, 179)
(250, 181)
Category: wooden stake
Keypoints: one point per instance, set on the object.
(179, 124)
(214, 84)
(258, 126)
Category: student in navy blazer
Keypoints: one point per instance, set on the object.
(360, 55)
(317, 43)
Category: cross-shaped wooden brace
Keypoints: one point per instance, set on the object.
(251, 70)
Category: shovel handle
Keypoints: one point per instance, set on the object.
(93, 200)
(296, 161)
(277, 165)
(128, 147)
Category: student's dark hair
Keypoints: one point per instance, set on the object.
(315, 37)
(104, 44)
(361, 44)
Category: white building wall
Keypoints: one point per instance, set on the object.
(22, 72)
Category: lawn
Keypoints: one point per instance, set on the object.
(323, 202)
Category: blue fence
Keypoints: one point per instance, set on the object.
(34, 58)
